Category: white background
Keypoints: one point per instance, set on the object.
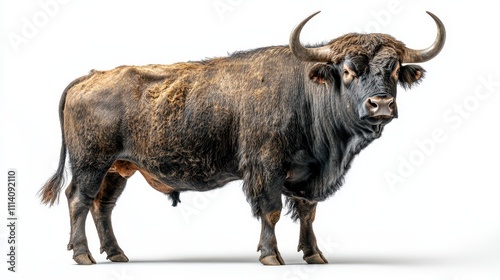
(441, 220)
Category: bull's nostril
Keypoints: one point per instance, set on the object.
(392, 104)
(372, 104)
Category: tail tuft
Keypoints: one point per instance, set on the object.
(49, 193)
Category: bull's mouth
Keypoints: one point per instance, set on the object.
(382, 117)
(378, 120)
(375, 124)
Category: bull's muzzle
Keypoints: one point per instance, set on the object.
(381, 107)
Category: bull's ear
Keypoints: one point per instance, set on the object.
(410, 75)
(323, 73)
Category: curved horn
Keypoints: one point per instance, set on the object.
(416, 56)
(320, 54)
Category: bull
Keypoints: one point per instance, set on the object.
(287, 120)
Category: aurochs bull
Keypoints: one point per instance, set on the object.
(288, 120)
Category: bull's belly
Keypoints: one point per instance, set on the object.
(168, 184)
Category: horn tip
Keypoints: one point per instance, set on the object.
(312, 15)
(433, 16)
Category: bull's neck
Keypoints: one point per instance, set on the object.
(334, 139)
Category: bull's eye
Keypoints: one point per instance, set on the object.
(348, 74)
(395, 71)
(395, 74)
(347, 77)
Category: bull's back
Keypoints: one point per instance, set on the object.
(162, 117)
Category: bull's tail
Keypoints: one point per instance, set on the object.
(49, 193)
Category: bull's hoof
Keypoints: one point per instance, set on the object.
(272, 260)
(84, 259)
(118, 258)
(316, 259)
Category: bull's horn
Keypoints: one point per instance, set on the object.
(320, 54)
(416, 56)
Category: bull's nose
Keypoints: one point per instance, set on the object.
(381, 106)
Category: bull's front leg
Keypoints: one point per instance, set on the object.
(268, 245)
(264, 194)
(306, 212)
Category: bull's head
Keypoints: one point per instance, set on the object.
(366, 69)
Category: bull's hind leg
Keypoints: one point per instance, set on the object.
(111, 188)
(305, 211)
(81, 193)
